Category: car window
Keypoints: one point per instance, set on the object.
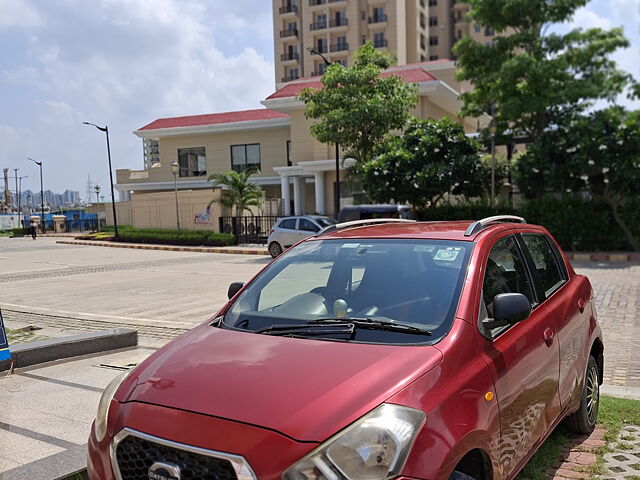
(308, 225)
(288, 223)
(325, 222)
(404, 281)
(546, 264)
(505, 272)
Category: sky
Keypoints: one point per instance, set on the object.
(125, 63)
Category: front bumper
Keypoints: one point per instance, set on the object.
(266, 453)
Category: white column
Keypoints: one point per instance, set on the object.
(286, 197)
(319, 186)
(297, 195)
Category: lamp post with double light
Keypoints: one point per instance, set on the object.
(175, 167)
(105, 129)
(41, 194)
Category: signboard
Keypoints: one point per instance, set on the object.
(203, 218)
(5, 354)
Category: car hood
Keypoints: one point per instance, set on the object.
(305, 389)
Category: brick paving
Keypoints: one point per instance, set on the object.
(617, 292)
(577, 456)
(624, 464)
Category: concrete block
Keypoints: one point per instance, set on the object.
(33, 353)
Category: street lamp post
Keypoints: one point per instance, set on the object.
(105, 129)
(336, 199)
(41, 195)
(174, 169)
(97, 190)
(19, 200)
(15, 170)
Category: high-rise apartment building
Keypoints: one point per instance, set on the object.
(413, 30)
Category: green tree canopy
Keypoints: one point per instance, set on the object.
(239, 193)
(357, 107)
(536, 78)
(598, 153)
(431, 158)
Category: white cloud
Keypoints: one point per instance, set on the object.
(18, 14)
(124, 63)
(585, 18)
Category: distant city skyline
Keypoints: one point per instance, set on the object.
(53, 199)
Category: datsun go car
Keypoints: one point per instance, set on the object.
(369, 352)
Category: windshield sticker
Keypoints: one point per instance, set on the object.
(424, 248)
(350, 245)
(447, 255)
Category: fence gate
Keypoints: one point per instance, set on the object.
(250, 229)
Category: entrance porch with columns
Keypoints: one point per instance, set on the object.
(320, 175)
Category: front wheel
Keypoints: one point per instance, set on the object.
(275, 249)
(460, 476)
(584, 420)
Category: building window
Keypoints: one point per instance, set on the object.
(245, 157)
(322, 45)
(378, 15)
(379, 40)
(433, 57)
(192, 161)
(288, 153)
(433, 41)
(423, 42)
(433, 21)
(342, 62)
(433, 3)
(477, 28)
(489, 32)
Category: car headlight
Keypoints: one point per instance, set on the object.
(103, 405)
(373, 448)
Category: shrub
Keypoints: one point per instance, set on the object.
(19, 232)
(577, 224)
(172, 237)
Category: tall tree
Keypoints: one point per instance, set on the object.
(357, 107)
(237, 191)
(432, 158)
(536, 78)
(598, 153)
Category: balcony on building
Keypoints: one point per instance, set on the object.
(321, 48)
(313, 3)
(288, 9)
(290, 78)
(380, 43)
(293, 32)
(378, 18)
(339, 47)
(318, 25)
(285, 57)
(338, 22)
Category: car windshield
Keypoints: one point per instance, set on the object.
(325, 221)
(393, 291)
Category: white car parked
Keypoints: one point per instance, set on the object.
(290, 230)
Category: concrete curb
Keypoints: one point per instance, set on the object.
(169, 248)
(604, 257)
(32, 353)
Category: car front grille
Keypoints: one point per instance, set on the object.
(135, 455)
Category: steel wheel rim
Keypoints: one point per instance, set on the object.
(274, 250)
(593, 395)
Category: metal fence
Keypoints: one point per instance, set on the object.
(251, 229)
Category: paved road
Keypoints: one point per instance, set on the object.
(164, 293)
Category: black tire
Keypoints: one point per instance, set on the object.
(460, 476)
(585, 418)
(275, 249)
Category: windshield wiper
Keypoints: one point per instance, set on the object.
(332, 328)
(373, 324)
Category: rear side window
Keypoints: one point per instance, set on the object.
(289, 223)
(550, 275)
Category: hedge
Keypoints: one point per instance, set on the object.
(172, 237)
(19, 232)
(577, 224)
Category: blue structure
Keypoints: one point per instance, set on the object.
(5, 354)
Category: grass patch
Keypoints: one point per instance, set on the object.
(5, 234)
(546, 456)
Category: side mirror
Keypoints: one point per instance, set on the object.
(234, 288)
(508, 309)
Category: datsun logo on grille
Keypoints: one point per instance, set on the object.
(164, 471)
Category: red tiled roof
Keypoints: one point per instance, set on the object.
(214, 119)
(410, 75)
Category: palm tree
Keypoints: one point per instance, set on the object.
(239, 192)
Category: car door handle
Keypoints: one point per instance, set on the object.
(581, 304)
(548, 336)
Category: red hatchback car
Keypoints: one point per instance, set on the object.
(374, 350)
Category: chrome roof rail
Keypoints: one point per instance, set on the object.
(357, 223)
(475, 227)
